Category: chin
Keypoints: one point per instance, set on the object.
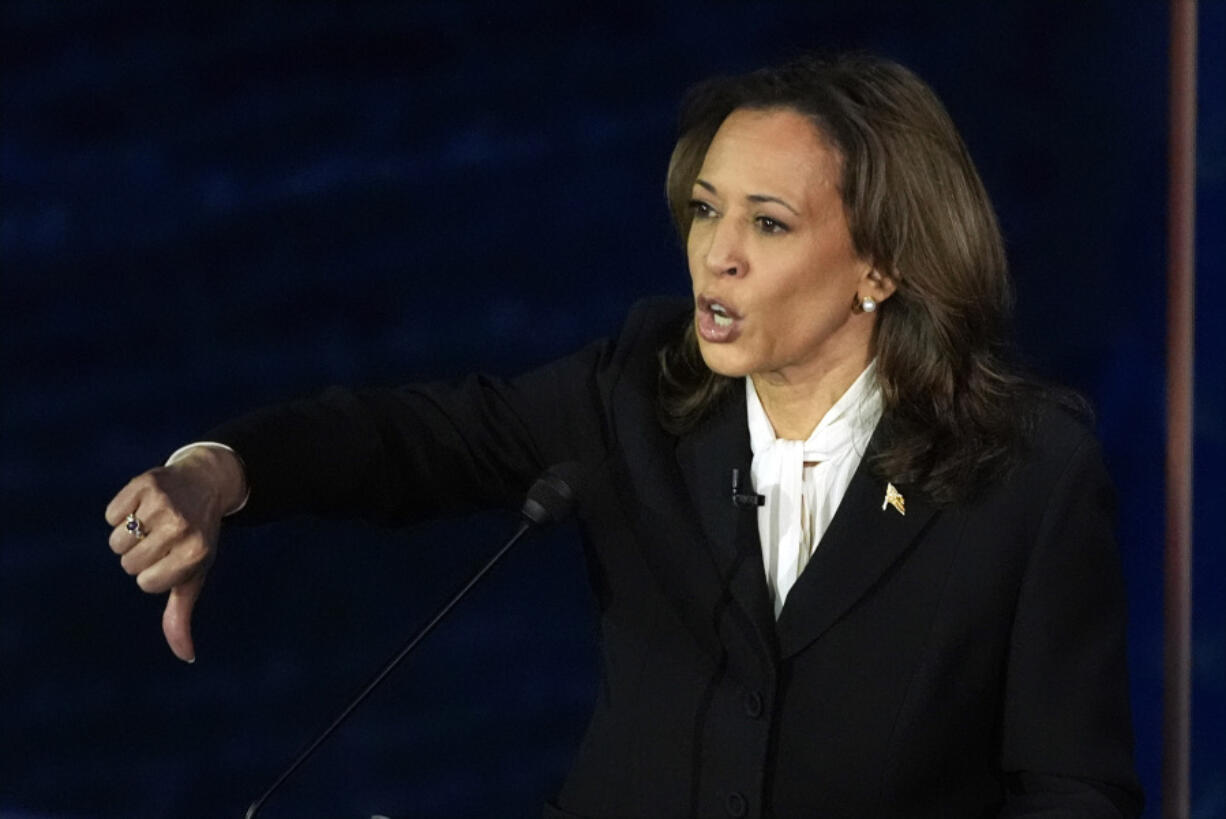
(723, 359)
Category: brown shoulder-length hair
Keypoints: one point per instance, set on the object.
(918, 212)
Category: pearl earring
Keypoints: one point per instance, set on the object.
(868, 304)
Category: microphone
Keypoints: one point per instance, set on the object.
(741, 498)
(551, 499)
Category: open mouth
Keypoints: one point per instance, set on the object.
(716, 321)
(721, 315)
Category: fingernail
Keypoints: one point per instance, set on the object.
(189, 662)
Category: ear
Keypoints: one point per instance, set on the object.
(877, 285)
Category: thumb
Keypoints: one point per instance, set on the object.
(177, 618)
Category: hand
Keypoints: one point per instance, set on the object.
(180, 509)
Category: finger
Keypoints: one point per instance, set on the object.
(144, 553)
(177, 618)
(164, 527)
(185, 559)
(127, 499)
(121, 540)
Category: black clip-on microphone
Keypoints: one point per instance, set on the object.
(741, 498)
(550, 500)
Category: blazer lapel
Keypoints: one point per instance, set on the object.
(706, 457)
(863, 541)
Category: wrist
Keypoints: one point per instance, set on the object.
(227, 474)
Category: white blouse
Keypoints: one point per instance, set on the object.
(804, 481)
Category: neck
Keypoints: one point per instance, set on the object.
(795, 405)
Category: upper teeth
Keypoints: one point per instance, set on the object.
(719, 308)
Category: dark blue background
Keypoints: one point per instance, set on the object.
(204, 211)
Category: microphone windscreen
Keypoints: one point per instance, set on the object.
(552, 498)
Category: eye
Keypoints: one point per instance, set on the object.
(700, 209)
(768, 225)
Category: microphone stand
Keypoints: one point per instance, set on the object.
(524, 526)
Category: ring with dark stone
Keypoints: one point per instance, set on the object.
(134, 525)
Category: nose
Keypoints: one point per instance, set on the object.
(725, 253)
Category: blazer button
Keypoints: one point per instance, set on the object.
(753, 705)
(735, 804)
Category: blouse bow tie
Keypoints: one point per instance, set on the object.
(803, 481)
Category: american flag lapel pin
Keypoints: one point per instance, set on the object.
(894, 498)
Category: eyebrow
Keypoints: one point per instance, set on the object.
(753, 197)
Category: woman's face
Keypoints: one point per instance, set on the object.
(775, 276)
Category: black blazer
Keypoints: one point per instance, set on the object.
(961, 661)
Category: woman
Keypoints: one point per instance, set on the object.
(913, 606)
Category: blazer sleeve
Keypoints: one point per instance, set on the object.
(423, 450)
(418, 451)
(1066, 733)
